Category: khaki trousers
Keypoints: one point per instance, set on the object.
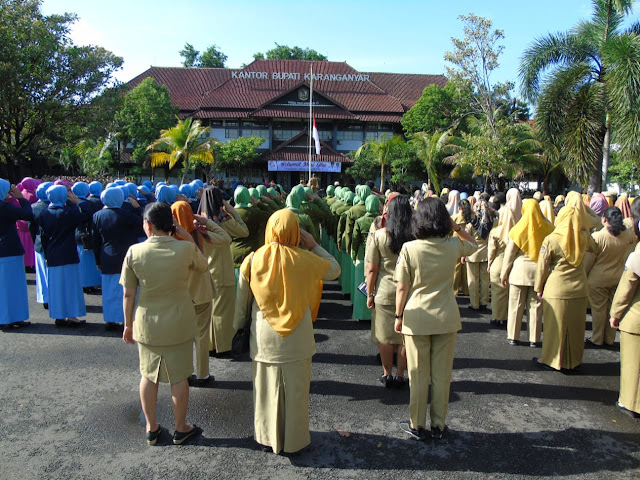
(429, 360)
(203, 340)
(630, 371)
(564, 326)
(499, 294)
(600, 299)
(519, 297)
(224, 305)
(478, 279)
(281, 404)
(460, 279)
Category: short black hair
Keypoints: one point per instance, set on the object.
(614, 217)
(159, 215)
(431, 219)
(500, 198)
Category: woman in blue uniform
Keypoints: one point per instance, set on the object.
(42, 290)
(14, 305)
(88, 269)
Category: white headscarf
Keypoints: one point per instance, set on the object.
(454, 202)
(514, 202)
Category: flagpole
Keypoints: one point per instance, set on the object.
(310, 120)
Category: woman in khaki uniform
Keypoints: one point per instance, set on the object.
(460, 283)
(381, 257)
(625, 316)
(215, 208)
(427, 313)
(280, 285)
(497, 243)
(164, 324)
(478, 226)
(546, 207)
(200, 284)
(604, 269)
(519, 272)
(561, 283)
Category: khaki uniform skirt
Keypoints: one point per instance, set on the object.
(167, 364)
(630, 371)
(382, 325)
(564, 327)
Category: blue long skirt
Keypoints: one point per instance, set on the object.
(14, 303)
(42, 288)
(112, 293)
(65, 292)
(90, 273)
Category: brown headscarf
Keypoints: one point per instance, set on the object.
(183, 213)
(624, 206)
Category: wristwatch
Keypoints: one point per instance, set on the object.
(400, 316)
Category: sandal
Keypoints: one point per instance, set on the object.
(180, 437)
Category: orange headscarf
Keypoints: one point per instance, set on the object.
(571, 238)
(184, 214)
(285, 279)
(624, 206)
(529, 233)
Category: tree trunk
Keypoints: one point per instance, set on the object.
(606, 150)
(382, 176)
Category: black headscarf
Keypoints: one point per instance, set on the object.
(211, 202)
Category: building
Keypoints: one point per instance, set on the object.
(270, 99)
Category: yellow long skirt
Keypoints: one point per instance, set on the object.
(564, 327)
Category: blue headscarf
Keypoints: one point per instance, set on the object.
(144, 189)
(110, 185)
(81, 190)
(133, 188)
(112, 198)
(166, 194)
(57, 195)
(148, 184)
(199, 182)
(125, 190)
(95, 188)
(159, 184)
(186, 190)
(41, 191)
(4, 188)
(120, 182)
(175, 188)
(464, 196)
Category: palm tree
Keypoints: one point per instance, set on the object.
(381, 150)
(586, 86)
(187, 141)
(431, 149)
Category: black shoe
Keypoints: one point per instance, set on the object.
(226, 354)
(180, 437)
(74, 323)
(387, 381)
(627, 411)
(212, 353)
(436, 433)
(420, 434)
(61, 322)
(495, 323)
(473, 309)
(110, 326)
(399, 382)
(200, 382)
(590, 344)
(541, 365)
(46, 306)
(483, 309)
(512, 342)
(152, 437)
(533, 344)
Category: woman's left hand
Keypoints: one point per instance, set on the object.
(614, 322)
(200, 219)
(398, 325)
(307, 240)
(127, 336)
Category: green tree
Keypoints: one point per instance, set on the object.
(237, 153)
(364, 167)
(431, 148)
(46, 82)
(146, 110)
(437, 109)
(624, 171)
(381, 150)
(212, 57)
(188, 142)
(284, 52)
(94, 158)
(585, 83)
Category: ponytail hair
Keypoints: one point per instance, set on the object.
(614, 218)
(159, 215)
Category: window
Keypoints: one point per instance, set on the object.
(215, 123)
(230, 133)
(255, 132)
(350, 135)
(282, 134)
(371, 135)
(325, 135)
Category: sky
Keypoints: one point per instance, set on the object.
(372, 36)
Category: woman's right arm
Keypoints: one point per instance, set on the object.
(542, 269)
(242, 298)
(129, 282)
(507, 264)
(402, 276)
(624, 295)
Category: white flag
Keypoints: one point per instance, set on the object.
(316, 137)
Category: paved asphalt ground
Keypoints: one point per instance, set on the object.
(69, 408)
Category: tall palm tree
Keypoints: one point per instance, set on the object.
(431, 148)
(585, 82)
(381, 149)
(187, 142)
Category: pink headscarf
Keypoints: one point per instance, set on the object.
(28, 189)
(598, 204)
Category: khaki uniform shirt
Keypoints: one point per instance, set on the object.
(518, 267)
(220, 259)
(495, 249)
(161, 267)
(379, 253)
(481, 254)
(626, 303)
(427, 266)
(556, 276)
(201, 284)
(265, 344)
(604, 267)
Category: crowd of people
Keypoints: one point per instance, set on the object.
(257, 262)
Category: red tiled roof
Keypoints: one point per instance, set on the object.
(303, 112)
(215, 93)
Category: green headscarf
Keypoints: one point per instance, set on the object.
(262, 190)
(372, 204)
(357, 200)
(363, 191)
(338, 193)
(331, 191)
(348, 198)
(306, 190)
(272, 191)
(254, 193)
(293, 201)
(242, 197)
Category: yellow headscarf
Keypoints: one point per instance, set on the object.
(559, 199)
(571, 238)
(285, 279)
(608, 198)
(589, 218)
(531, 230)
(546, 207)
(506, 221)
